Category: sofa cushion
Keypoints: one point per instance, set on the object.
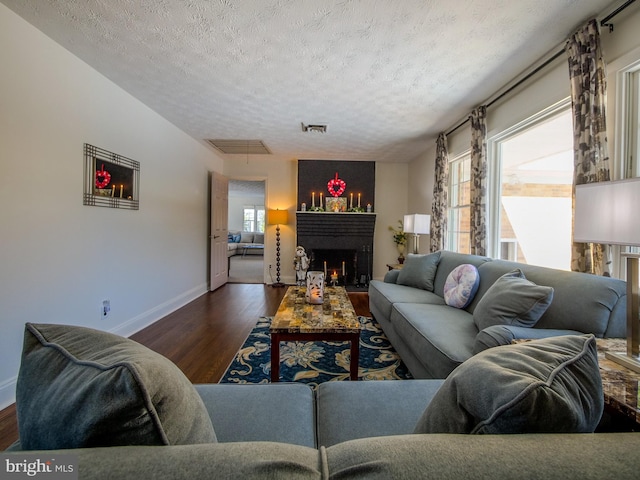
(246, 237)
(551, 385)
(419, 271)
(278, 412)
(384, 408)
(80, 387)
(258, 238)
(383, 295)
(461, 285)
(512, 300)
(439, 336)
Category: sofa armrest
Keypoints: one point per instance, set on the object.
(497, 335)
(391, 276)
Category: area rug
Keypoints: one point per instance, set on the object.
(315, 362)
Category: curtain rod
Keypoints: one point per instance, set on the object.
(605, 20)
(603, 23)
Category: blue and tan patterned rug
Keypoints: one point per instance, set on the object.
(315, 362)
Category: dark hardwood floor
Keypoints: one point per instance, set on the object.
(203, 336)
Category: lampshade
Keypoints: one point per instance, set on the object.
(278, 217)
(606, 213)
(416, 223)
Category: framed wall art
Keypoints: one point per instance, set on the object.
(110, 180)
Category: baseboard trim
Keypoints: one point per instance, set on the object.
(151, 316)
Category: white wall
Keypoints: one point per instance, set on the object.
(236, 209)
(59, 259)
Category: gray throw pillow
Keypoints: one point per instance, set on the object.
(543, 386)
(419, 271)
(79, 387)
(512, 300)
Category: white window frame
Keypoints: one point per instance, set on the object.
(494, 167)
(256, 209)
(458, 158)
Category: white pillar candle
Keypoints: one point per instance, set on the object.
(358, 200)
(313, 199)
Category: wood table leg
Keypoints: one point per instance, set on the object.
(355, 356)
(275, 358)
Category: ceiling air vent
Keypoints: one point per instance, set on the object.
(240, 147)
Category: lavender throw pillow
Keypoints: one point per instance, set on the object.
(461, 285)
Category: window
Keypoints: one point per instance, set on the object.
(459, 208)
(534, 172)
(253, 218)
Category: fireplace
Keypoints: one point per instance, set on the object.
(339, 239)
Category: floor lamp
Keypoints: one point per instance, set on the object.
(605, 213)
(416, 224)
(277, 218)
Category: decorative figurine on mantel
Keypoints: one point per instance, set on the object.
(301, 263)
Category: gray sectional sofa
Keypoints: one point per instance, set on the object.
(434, 338)
(107, 407)
(237, 241)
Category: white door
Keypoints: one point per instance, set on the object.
(219, 230)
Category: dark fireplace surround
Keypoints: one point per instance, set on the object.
(339, 239)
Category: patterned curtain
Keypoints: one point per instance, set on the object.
(478, 189)
(591, 159)
(440, 196)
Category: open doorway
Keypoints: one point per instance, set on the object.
(246, 231)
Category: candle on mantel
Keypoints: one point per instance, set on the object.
(113, 190)
(121, 187)
(313, 199)
(351, 204)
(343, 269)
(358, 200)
(321, 204)
(325, 269)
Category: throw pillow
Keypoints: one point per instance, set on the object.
(461, 285)
(419, 271)
(246, 237)
(258, 238)
(543, 386)
(236, 238)
(512, 300)
(78, 387)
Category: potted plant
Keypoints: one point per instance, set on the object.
(400, 239)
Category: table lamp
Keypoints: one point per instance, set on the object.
(277, 218)
(605, 213)
(416, 224)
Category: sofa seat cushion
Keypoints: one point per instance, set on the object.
(383, 295)
(80, 387)
(442, 337)
(280, 412)
(543, 386)
(383, 408)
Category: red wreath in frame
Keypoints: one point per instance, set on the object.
(102, 178)
(336, 186)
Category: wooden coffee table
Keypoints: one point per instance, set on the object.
(296, 320)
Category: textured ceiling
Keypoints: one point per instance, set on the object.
(385, 76)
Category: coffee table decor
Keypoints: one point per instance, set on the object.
(315, 362)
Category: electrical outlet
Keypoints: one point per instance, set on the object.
(105, 309)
